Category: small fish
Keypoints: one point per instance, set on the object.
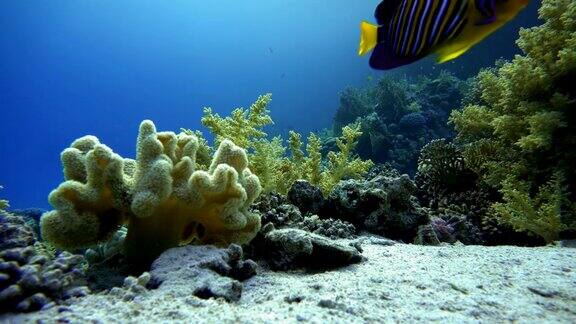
(409, 30)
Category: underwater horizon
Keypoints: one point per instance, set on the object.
(75, 68)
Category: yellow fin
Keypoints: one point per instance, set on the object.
(448, 54)
(474, 34)
(368, 38)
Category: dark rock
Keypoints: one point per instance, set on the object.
(276, 210)
(294, 299)
(32, 217)
(568, 243)
(384, 205)
(381, 169)
(203, 271)
(30, 277)
(14, 232)
(269, 201)
(426, 236)
(293, 248)
(332, 228)
(306, 197)
(448, 227)
(132, 287)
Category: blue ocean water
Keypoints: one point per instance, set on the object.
(70, 68)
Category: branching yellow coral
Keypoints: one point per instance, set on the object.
(538, 214)
(312, 165)
(268, 160)
(302, 166)
(160, 196)
(339, 165)
(343, 164)
(242, 127)
(523, 134)
(292, 167)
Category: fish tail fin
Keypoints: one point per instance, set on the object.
(368, 38)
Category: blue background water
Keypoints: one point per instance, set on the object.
(69, 68)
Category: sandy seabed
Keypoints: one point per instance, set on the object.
(397, 283)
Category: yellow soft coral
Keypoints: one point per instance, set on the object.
(243, 127)
(267, 161)
(537, 214)
(344, 164)
(161, 196)
(520, 138)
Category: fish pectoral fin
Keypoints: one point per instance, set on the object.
(368, 38)
(451, 53)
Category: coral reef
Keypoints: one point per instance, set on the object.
(278, 166)
(30, 277)
(132, 286)
(3, 202)
(520, 137)
(202, 271)
(343, 164)
(332, 228)
(204, 152)
(306, 197)
(160, 196)
(268, 162)
(242, 127)
(442, 172)
(448, 226)
(353, 105)
(109, 249)
(276, 209)
(31, 281)
(453, 192)
(384, 205)
(399, 116)
(32, 217)
(14, 232)
(108, 267)
(339, 164)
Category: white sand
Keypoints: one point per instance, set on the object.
(396, 283)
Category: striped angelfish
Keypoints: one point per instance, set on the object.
(409, 30)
